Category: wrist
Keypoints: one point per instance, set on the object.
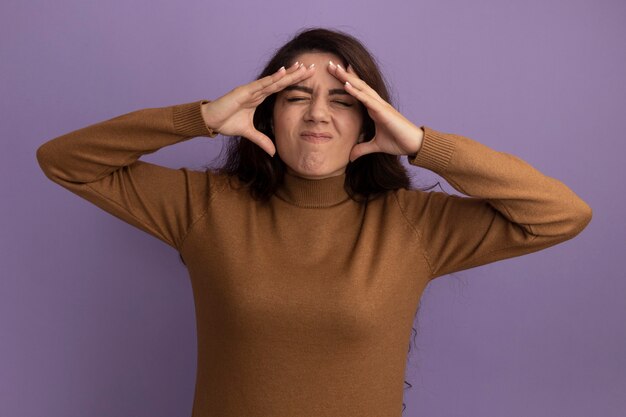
(418, 143)
(205, 111)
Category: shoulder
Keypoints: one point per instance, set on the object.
(221, 183)
(415, 202)
(398, 201)
(404, 196)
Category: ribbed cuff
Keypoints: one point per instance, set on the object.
(436, 151)
(188, 120)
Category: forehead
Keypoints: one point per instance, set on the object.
(317, 58)
(321, 77)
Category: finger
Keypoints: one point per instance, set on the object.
(363, 148)
(255, 88)
(300, 74)
(372, 103)
(261, 83)
(265, 86)
(293, 68)
(342, 75)
(261, 140)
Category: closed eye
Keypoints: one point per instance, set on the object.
(294, 99)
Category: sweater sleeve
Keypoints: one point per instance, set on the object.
(100, 163)
(512, 209)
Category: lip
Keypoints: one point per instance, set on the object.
(316, 137)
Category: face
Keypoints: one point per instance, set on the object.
(316, 122)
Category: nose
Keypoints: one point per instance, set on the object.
(317, 111)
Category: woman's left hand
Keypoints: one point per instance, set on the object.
(395, 134)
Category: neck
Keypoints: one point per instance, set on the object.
(315, 177)
(313, 193)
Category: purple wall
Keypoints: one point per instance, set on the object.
(97, 317)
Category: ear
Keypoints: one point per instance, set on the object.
(361, 137)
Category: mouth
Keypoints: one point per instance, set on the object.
(315, 137)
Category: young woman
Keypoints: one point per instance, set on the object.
(308, 250)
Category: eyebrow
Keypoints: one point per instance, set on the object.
(310, 90)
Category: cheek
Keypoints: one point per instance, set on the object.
(352, 124)
(283, 131)
(284, 119)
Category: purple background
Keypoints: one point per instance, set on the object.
(97, 317)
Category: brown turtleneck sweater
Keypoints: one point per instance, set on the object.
(305, 304)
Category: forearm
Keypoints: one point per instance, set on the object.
(93, 152)
(540, 204)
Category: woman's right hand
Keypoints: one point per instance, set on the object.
(232, 114)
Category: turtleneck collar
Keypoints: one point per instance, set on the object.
(308, 193)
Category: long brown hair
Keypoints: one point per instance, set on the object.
(366, 177)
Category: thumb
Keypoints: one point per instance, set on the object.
(363, 148)
(262, 140)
